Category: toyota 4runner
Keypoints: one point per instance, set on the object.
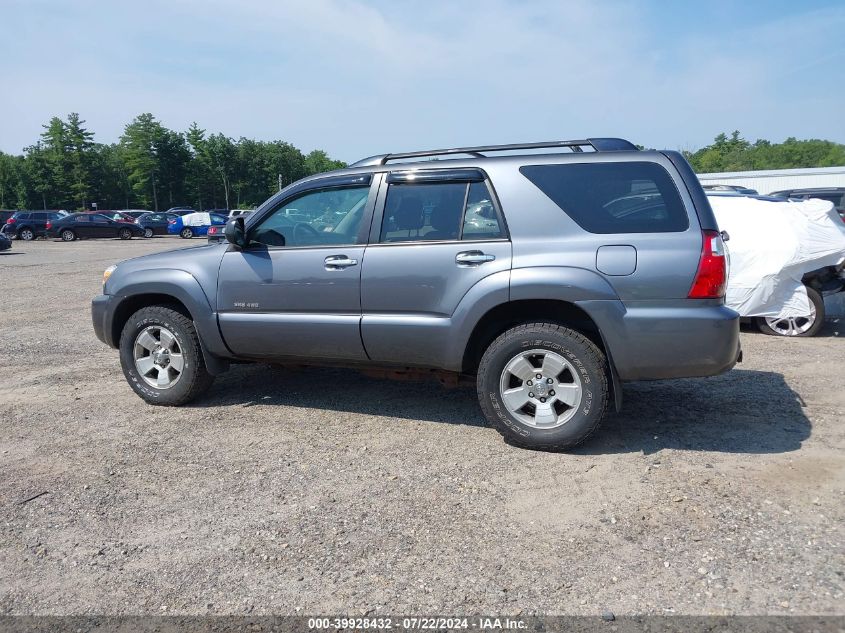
(547, 277)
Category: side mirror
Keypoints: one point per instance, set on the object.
(235, 233)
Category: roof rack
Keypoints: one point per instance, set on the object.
(598, 145)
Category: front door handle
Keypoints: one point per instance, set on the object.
(339, 262)
(473, 258)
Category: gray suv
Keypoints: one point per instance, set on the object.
(548, 278)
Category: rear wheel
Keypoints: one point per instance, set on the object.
(68, 235)
(161, 357)
(186, 233)
(125, 234)
(543, 386)
(796, 326)
(148, 232)
(26, 234)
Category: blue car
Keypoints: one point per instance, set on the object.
(191, 224)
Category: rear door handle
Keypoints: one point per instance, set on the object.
(473, 258)
(339, 262)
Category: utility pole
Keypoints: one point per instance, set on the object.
(280, 182)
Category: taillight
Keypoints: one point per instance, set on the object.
(171, 221)
(212, 230)
(49, 225)
(10, 221)
(712, 275)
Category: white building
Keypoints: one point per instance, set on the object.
(779, 179)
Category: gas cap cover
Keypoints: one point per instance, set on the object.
(617, 260)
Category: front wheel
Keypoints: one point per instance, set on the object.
(543, 386)
(186, 233)
(148, 232)
(68, 235)
(796, 326)
(26, 234)
(161, 357)
(125, 234)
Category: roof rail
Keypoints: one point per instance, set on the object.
(598, 145)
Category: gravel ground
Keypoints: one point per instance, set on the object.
(713, 496)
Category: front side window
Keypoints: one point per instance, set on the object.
(629, 197)
(323, 217)
(439, 212)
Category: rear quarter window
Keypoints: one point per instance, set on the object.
(629, 197)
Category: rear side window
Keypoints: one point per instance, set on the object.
(636, 197)
(436, 212)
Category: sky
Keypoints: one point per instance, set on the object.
(357, 78)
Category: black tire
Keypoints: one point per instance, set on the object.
(818, 304)
(186, 233)
(148, 233)
(194, 379)
(26, 234)
(576, 349)
(68, 235)
(124, 234)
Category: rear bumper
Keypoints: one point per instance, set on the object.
(651, 342)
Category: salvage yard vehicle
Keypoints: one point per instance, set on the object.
(91, 225)
(786, 256)
(193, 224)
(836, 195)
(547, 279)
(155, 223)
(29, 225)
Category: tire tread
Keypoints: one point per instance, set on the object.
(202, 380)
(546, 328)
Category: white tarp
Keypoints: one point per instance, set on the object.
(772, 245)
(200, 218)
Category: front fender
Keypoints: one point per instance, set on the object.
(183, 287)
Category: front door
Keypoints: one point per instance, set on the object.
(295, 290)
(436, 240)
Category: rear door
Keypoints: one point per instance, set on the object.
(435, 235)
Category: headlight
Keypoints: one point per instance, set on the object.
(107, 273)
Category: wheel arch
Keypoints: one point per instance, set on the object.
(504, 316)
(187, 298)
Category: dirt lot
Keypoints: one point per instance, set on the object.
(722, 495)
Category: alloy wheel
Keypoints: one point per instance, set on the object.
(158, 357)
(540, 388)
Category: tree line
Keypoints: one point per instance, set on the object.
(734, 153)
(153, 167)
(150, 167)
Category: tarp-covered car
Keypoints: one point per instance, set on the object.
(191, 224)
(784, 257)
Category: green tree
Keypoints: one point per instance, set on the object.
(140, 142)
(734, 153)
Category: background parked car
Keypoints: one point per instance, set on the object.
(187, 226)
(236, 212)
(28, 225)
(155, 223)
(5, 243)
(80, 225)
(836, 195)
(5, 215)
